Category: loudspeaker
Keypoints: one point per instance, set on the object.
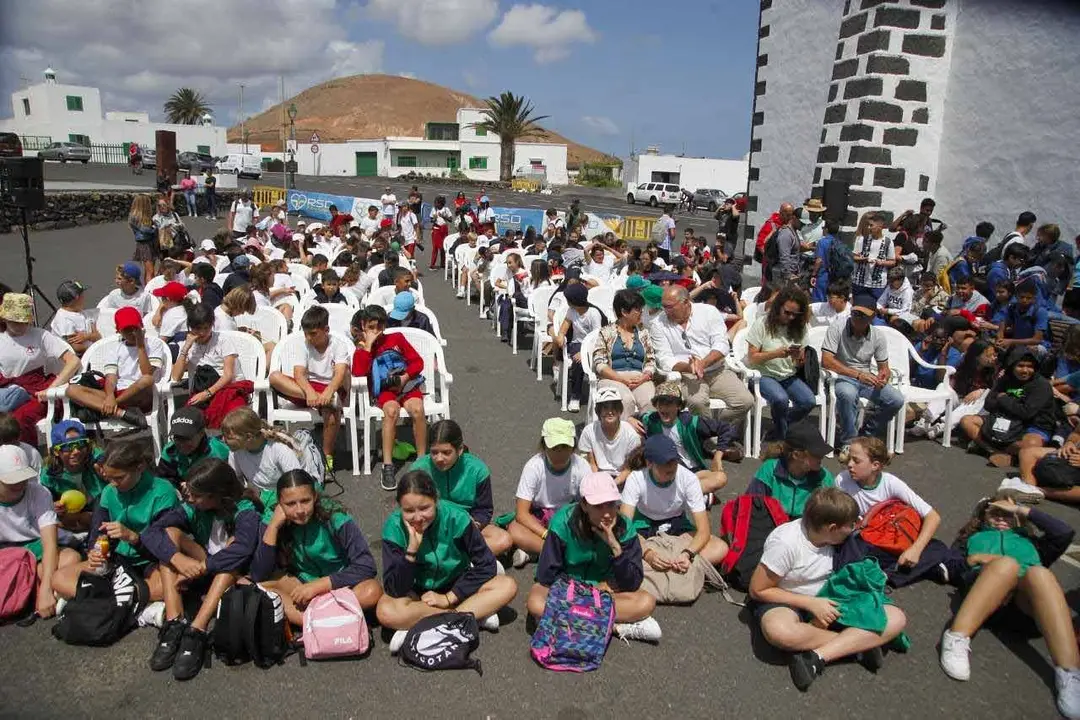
(835, 198)
(24, 181)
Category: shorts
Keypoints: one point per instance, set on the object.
(678, 525)
(33, 546)
(147, 251)
(319, 387)
(1038, 431)
(387, 395)
(758, 610)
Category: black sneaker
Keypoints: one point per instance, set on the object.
(805, 668)
(389, 479)
(168, 645)
(189, 661)
(134, 418)
(872, 660)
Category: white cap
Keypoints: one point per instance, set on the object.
(607, 394)
(315, 226)
(299, 237)
(15, 465)
(207, 245)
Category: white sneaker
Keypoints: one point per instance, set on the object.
(460, 293)
(1027, 493)
(1067, 685)
(490, 623)
(574, 405)
(499, 569)
(153, 615)
(397, 641)
(520, 558)
(935, 431)
(647, 630)
(921, 428)
(956, 655)
(61, 603)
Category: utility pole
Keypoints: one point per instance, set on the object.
(284, 155)
(243, 123)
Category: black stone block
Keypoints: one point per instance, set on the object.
(845, 69)
(759, 118)
(755, 145)
(839, 50)
(848, 236)
(863, 87)
(851, 219)
(763, 59)
(832, 91)
(856, 132)
(751, 203)
(870, 154)
(900, 136)
(935, 4)
(828, 154)
(754, 174)
(817, 175)
(759, 88)
(911, 90)
(852, 176)
(924, 183)
(835, 113)
(927, 45)
(880, 111)
(867, 4)
(889, 177)
(853, 25)
(871, 41)
(766, 4)
(888, 65)
(824, 134)
(937, 22)
(921, 116)
(763, 31)
(864, 198)
(896, 17)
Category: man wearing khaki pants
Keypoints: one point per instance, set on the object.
(691, 339)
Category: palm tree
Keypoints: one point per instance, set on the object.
(186, 107)
(511, 118)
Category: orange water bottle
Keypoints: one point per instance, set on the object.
(102, 546)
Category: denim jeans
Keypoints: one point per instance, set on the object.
(211, 202)
(189, 197)
(576, 375)
(12, 397)
(886, 403)
(779, 393)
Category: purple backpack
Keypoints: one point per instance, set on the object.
(574, 631)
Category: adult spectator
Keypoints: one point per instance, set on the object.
(141, 222)
(925, 222)
(774, 223)
(187, 186)
(813, 220)
(690, 339)
(664, 233)
(788, 246)
(210, 185)
(242, 214)
(822, 269)
(388, 201)
(848, 350)
(1048, 247)
(874, 255)
(1024, 224)
(937, 256)
(727, 218)
(624, 359)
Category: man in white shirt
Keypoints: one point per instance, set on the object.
(389, 201)
(691, 339)
(665, 230)
(242, 213)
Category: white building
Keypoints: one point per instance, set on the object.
(53, 112)
(689, 173)
(971, 102)
(446, 147)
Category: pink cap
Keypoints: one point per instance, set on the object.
(599, 488)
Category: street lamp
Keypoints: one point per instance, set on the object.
(292, 149)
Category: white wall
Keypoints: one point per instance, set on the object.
(694, 173)
(553, 155)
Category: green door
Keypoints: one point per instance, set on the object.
(452, 162)
(367, 164)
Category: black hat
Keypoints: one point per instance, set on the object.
(187, 423)
(806, 436)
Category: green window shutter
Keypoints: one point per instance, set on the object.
(478, 163)
(74, 103)
(481, 132)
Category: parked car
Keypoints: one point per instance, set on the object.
(64, 151)
(654, 194)
(241, 165)
(194, 162)
(10, 145)
(708, 199)
(149, 157)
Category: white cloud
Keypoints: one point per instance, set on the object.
(548, 31)
(137, 64)
(436, 22)
(600, 124)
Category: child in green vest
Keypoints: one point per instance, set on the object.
(72, 465)
(133, 499)
(189, 444)
(205, 544)
(589, 541)
(793, 469)
(435, 560)
(311, 546)
(1011, 566)
(463, 480)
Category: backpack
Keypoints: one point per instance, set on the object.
(841, 260)
(334, 626)
(104, 609)
(1056, 473)
(679, 588)
(745, 522)
(998, 251)
(311, 455)
(573, 633)
(18, 581)
(771, 253)
(443, 642)
(891, 525)
(384, 367)
(943, 279)
(1001, 430)
(250, 626)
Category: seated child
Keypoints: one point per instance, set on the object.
(1026, 324)
(795, 566)
(581, 319)
(211, 361)
(929, 301)
(395, 375)
(10, 432)
(210, 293)
(1010, 549)
(608, 441)
(404, 314)
(329, 288)
(793, 469)
(170, 319)
(999, 307)
(967, 299)
(836, 306)
(73, 465)
(27, 519)
(206, 542)
(188, 444)
(128, 292)
(70, 321)
(896, 302)
(259, 453)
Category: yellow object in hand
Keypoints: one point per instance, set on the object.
(73, 500)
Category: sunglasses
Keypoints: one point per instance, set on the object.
(68, 446)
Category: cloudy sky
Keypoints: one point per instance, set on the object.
(608, 72)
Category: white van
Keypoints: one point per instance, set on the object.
(241, 164)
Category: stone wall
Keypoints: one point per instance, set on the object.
(72, 209)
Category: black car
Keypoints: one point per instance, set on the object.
(10, 145)
(194, 162)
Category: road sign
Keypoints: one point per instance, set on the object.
(290, 145)
(314, 138)
(314, 148)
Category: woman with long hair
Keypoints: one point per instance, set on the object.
(141, 221)
(776, 350)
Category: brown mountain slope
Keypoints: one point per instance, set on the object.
(366, 107)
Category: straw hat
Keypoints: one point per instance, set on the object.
(17, 308)
(814, 205)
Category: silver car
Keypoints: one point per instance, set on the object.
(64, 151)
(149, 157)
(708, 199)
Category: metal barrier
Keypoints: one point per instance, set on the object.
(637, 228)
(111, 154)
(35, 142)
(266, 195)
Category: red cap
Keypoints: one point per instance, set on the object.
(386, 222)
(127, 317)
(172, 291)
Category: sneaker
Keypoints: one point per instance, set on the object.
(61, 603)
(168, 645)
(520, 558)
(844, 454)
(805, 667)
(734, 453)
(499, 569)
(397, 641)
(955, 655)
(134, 418)
(1067, 685)
(153, 615)
(490, 623)
(647, 630)
(1025, 492)
(935, 431)
(574, 405)
(460, 293)
(921, 428)
(872, 660)
(192, 654)
(389, 479)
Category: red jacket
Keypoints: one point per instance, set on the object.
(361, 363)
(339, 220)
(767, 229)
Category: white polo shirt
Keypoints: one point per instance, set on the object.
(705, 332)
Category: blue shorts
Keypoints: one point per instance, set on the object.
(647, 527)
(1038, 431)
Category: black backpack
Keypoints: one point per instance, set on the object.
(250, 626)
(772, 249)
(443, 642)
(104, 609)
(841, 261)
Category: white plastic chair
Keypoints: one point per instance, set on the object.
(280, 410)
(374, 270)
(463, 257)
(749, 295)
(436, 388)
(901, 354)
(220, 279)
(538, 310)
(106, 322)
(603, 297)
(588, 348)
(385, 296)
(252, 361)
(300, 270)
(449, 268)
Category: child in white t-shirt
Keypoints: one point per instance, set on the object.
(581, 319)
(204, 355)
(128, 292)
(70, 321)
(608, 441)
(170, 319)
(28, 520)
(795, 565)
(258, 453)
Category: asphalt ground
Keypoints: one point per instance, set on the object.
(708, 664)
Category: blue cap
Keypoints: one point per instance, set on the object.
(59, 431)
(484, 198)
(969, 241)
(241, 262)
(133, 270)
(404, 302)
(660, 449)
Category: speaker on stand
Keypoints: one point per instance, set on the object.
(22, 183)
